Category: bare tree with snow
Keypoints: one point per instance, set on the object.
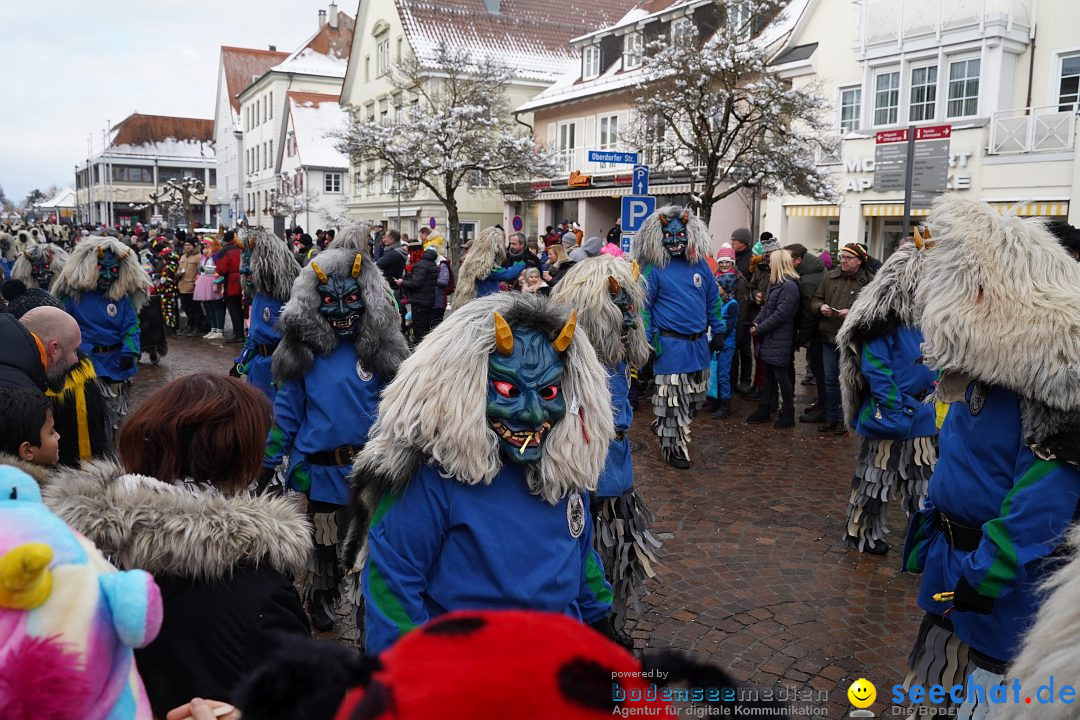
(458, 129)
(292, 201)
(710, 107)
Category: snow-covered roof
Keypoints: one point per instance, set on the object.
(242, 66)
(63, 199)
(313, 116)
(530, 36)
(163, 136)
(570, 88)
(308, 62)
(325, 53)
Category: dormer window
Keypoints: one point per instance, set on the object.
(681, 28)
(632, 45)
(590, 62)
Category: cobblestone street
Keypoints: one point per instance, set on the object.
(753, 575)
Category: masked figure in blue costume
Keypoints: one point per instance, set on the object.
(473, 489)
(38, 265)
(884, 383)
(482, 269)
(268, 270)
(682, 307)
(341, 344)
(1000, 317)
(608, 295)
(103, 287)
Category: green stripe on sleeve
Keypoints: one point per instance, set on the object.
(594, 579)
(1003, 570)
(385, 600)
(383, 507)
(275, 445)
(891, 401)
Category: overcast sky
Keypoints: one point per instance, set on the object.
(69, 66)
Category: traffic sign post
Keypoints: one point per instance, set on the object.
(516, 223)
(640, 183)
(626, 240)
(921, 170)
(635, 209)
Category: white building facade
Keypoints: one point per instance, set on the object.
(317, 67)
(313, 174)
(237, 68)
(1004, 74)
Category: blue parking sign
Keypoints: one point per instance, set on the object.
(635, 208)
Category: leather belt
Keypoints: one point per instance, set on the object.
(107, 348)
(681, 336)
(619, 435)
(960, 536)
(265, 350)
(343, 455)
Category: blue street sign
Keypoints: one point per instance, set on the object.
(635, 208)
(609, 156)
(627, 241)
(641, 180)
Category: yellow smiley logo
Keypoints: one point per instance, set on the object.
(862, 693)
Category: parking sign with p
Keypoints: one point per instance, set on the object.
(635, 209)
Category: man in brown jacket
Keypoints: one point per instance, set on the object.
(186, 274)
(832, 300)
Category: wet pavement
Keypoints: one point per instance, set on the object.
(753, 574)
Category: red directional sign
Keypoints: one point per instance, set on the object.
(891, 136)
(933, 132)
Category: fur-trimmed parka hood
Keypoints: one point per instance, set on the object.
(40, 474)
(884, 305)
(141, 522)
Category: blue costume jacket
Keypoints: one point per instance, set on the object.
(333, 405)
(264, 316)
(107, 324)
(490, 284)
(443, 545)
(681, 298)
(618, 475)
(895, 378)
(986, 477)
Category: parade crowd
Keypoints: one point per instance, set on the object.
(443, 449)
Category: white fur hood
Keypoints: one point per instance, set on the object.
(140, 522)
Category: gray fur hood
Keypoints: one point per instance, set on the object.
(39, 473)
(141, 522)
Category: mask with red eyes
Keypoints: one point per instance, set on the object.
(341, 304)
(525, 394)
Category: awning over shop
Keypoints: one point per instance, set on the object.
(813, 210)
(407, 211)
(1044, 209)
(617, 191)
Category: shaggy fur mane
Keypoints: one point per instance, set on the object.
(1001, 303)
(80, 273)
(884, 305)
(143, 523)
(435, 411)
(649, 246)
(488, 251)
(355, 236)
(22, 268)
(585, 287)
(305, 333)
(273, 267)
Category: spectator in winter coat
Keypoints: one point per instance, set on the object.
(811, 273)
(393, 258)
(516, 251)
(186, 276)
(558, 264)
(589, 248)
(831, 302)
(179, 508)
(774, 326)
(421, 287)
(742, 365)
(228, 267)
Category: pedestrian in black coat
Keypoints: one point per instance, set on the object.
(420, 286)
(179, 508)
(774, 325)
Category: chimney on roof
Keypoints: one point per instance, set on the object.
(333, 16)
(322, 19)
(493, 6)
(273, 48)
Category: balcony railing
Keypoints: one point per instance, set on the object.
(890, 21)
(1028, 130)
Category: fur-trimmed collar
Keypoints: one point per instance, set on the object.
(39, 473)
(140, 522)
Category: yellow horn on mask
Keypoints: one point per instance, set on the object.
(636, 269)
(25, 580)
(563, 341)
(613, 285)
(356, 265)
(319, 273)
(504, 338)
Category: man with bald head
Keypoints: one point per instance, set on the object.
(59, 337)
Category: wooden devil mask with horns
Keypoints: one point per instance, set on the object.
(525, 387)
(341, 302)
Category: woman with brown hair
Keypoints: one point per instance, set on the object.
(558, 264)
(178, 507)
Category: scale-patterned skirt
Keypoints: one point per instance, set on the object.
(941, 658)
(884, 469)
(674, 401)
(626, 547)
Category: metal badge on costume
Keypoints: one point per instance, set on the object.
(575, 515)
(525, 397)
(976, 396)
(697, 280)
(266, 314)
(362, 373)
(110, 309)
